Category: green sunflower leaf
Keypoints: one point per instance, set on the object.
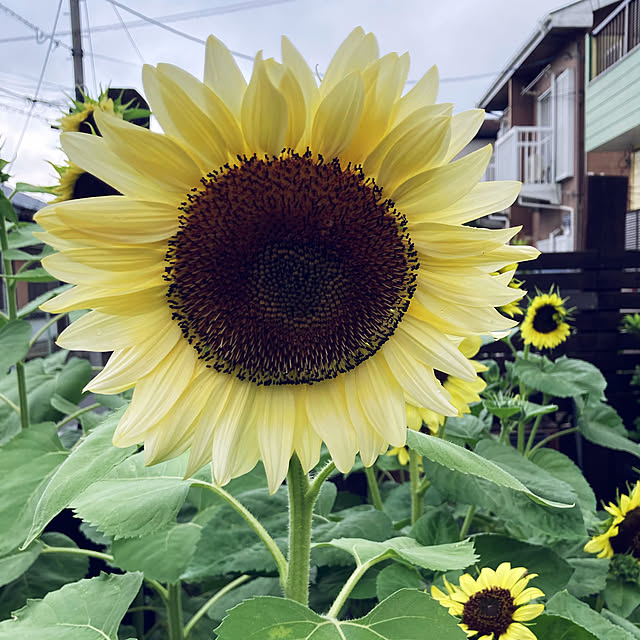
(84, 610)
(553, 571)
(559, 628)
(622, 598)
(589, 576)
(162, 555)
(257, 587)
(133, 500)
(33, 305)
(6, 208)
(22, 236)
(441, 557)
(49, 572)
(89, 462)
(627, 625)
(38, 274)
(459, 459)
(435, 526)
(12, 566)
(27, 462)
(267, 618)
(564, 378)
(396, 577)
(14, 342)
(599, 423)
(565, 605)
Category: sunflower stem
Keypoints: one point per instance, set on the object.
(553, 436)
(347, 588)
(414, 477)
(466, 525)
(211, 601)
(521, 433)
(12, 314)
(534, 428)
(174, 611)
(51, 321)
(316, 484)
(300, 513)
(374, 490)
(78, 552)
(254, 523)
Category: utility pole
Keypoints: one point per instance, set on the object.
(76, 49)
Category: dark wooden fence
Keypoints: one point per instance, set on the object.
(602, 286)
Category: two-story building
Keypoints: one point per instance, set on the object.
(540, 98)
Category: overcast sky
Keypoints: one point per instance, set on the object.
(470, 41)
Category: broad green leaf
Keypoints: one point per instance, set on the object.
(627, 625)
(563, 468)
(553, 571)
(89, 462)
(459, 459)
(406, 615)
(531, 410)
(6, 208)
(134, 500)
(14, 342)
(468, 428)
(27, 462)
(564, 378)
(12, 566)
(559, 628)
(396, 577)
(362, 521)
(257, 587)
(567, 606)
(37, 274)
(326, 499)
(86, 610)
(589, 576)
(441, 557)
(24, 187)
(436, 526)
(599, 423)
(49, 572)
(622, 598)
(34, 304)
(162, 555)
(502, 412)
(227, 543)
(22, 236)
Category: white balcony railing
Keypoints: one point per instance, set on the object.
(527, 154)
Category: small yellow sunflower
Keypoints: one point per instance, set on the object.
(494, 606)
(76, 183)
(623, 532)
(544, 325)
(513, 308)
(288, 263)
(463, 392)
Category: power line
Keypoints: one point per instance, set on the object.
(40, 79)
(19, 96)
(124, 27)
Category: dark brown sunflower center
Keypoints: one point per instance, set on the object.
(288, 269)
(628, 538)
(489, 611)
(546, 319)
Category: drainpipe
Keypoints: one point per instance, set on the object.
(557, 207)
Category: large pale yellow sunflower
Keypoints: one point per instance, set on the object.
(623, 532)
(287, 264)
(493, 606)
(544, 324)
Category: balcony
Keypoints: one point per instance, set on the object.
(527, 154)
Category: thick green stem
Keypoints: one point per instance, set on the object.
(521, 429)
(12, 314)
(211, 601)
(464, 529)
(253, 522)
(374, 490)
(78, 552)
(174, 611)
(414, 477)
(300, 514)
(159, 589)
(316, 483)
(137, 612)
(535, 427)
(553, 436)
(348, 586)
